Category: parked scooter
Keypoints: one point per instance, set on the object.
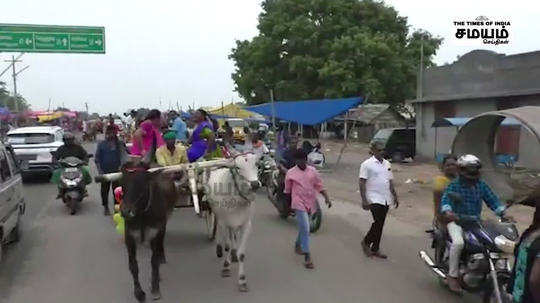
(72, 186)
(485, 260)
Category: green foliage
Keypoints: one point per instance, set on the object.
(308, 49)
(7, 100)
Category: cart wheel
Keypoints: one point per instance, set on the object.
(211, 224)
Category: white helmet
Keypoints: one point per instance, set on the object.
(469, 167)
(469, 160)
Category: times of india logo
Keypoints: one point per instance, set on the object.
(484, 30)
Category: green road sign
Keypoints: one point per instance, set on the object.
(51, 39)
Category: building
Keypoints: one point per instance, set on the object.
(369, 118)
(478, 82)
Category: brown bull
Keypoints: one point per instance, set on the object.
(148, 201)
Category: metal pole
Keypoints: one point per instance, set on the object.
(273, 109)
(15, 84)
(345, 134)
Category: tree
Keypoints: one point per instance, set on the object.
(9, 101)
(308, 49)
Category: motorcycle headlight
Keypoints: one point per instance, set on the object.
(505, 244)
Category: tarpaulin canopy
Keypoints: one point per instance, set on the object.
(448, 122)
(231, 110)
(310, 112)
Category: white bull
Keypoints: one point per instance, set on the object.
(230, 193)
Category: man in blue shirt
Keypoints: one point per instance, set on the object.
(110, 155)
(179, 126)
(471, 191)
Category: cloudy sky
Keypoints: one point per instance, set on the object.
(176, 50)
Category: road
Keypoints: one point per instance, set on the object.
(63, 258)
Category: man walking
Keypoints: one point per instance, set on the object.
(109, 156)
(303, 183)
(377, 191)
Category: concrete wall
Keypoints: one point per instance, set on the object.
(482, 73)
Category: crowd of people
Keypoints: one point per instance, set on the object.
(301, 183)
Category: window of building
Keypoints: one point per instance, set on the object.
(444, 110)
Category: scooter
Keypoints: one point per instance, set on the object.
(484, 266)
(72, 186)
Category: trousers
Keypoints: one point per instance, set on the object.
(105, 189)
(374, 235)
(302, 219)
(456, 234)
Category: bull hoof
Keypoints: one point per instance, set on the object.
(243, 287)
(219, 251)
(234, 256)
(156, 295)
(225, 272)
(140, 295)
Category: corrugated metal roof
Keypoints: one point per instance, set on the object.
(367, 113)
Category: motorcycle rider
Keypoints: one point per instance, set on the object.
(71, 149)
(472, 191)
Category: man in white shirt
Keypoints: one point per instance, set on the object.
(377, 191)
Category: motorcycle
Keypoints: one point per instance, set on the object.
(271, 177)
(484, 265)
(72, 186)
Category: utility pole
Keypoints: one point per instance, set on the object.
(86, 105)
(14, 75)
(49, 108)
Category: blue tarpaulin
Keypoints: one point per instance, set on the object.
(310, 112)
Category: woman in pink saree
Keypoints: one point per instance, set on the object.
(143, 137)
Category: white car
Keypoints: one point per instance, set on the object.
(35, 145)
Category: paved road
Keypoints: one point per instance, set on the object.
(63, 258)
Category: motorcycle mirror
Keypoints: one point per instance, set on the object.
(455, 197)
(23, 164)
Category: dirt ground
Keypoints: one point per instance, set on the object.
(413, 181)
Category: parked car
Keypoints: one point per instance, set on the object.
(12, 204)
(36, 145)
(399, 143)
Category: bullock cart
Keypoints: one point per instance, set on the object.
(195, 175)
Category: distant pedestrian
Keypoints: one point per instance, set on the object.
(282, 138)
(110, 154)
(229, 133)
(303, 183)
(180, 127)
(378, 193)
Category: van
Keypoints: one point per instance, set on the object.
(12, 205)
(399, 143)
